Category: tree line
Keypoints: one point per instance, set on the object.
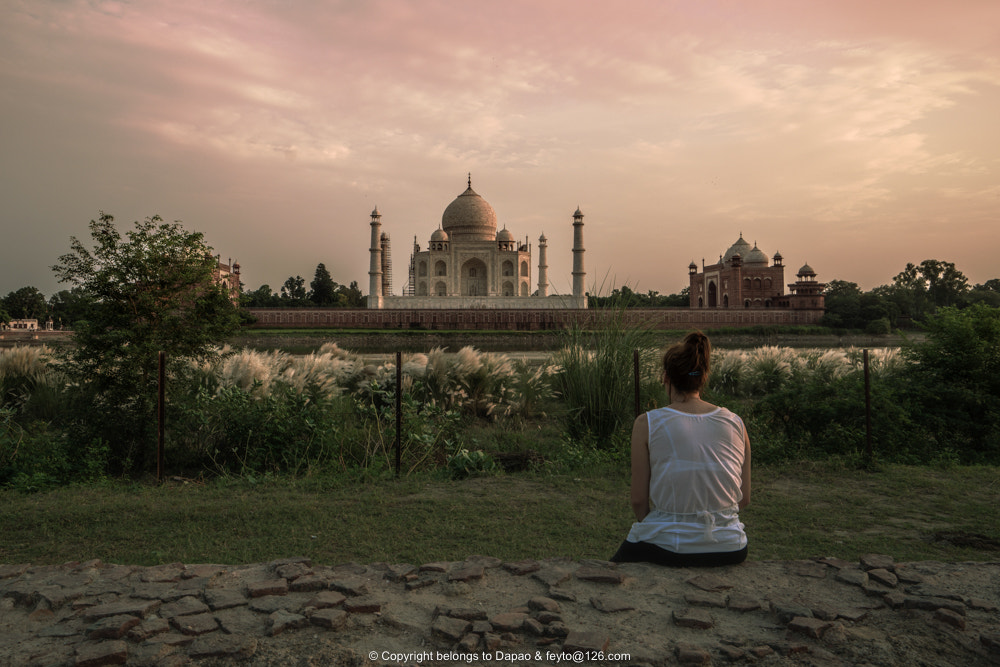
(915, 293)
(323, 292)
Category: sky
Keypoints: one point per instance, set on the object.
(852, 135)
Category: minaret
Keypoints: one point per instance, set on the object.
(386, 265)
(543, 268)
(579, 275)
(375, 267)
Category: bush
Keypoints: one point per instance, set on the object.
(879, 327)
(953, 382)
(596, 381)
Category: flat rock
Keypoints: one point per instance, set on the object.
(282, 620)
(611, 604)
(467, 572)
(522, 567)
(220, 598)
(140, 608)
(710, 583)
(704, 599)
(450, 628)
(586, 640)
(149, 628)
(542, 603)
(877, 562)
(552, 576)
(308, 583)
(197, 624)
(693, 618)
(813, 627)
(103, 653)
(853, 576)
(258, 589)
(171, 572)
(509, 622)
(884, 577)
(808, 568)
(599, 575)
(272, 603)
(183, 607)
(362, 605)
(326, 599)
(353, 586)
(113, 627)
(222, 646)
(743, 603)
(241, 621)
(329, 618)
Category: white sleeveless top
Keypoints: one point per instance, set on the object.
(696, 464)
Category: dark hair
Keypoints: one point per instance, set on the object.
(686, 364)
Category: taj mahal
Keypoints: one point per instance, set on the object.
(469, 263)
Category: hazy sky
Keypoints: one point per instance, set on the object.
(853, 135)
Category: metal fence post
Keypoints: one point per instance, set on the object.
(868, 412)
(161, 416)
(399, 409)
(635, 370)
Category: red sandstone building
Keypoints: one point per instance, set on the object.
(745, 278)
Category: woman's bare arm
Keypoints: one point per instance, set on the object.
(640, 467)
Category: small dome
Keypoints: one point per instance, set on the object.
(806, 270)
(692, 265)
(778, 257)
(740, 248)
(504, 236)
(439, 235)
(470, 217)
(375, 213)
(756, 256)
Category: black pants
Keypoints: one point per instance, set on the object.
(644, 552)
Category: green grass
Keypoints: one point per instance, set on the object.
(799, 511)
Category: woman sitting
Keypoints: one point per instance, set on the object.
(690, 472)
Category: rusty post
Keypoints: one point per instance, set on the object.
(635, 371)
(399, 409)
(868, 412)
(161, 414)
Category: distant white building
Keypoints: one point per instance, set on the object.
(468, 263)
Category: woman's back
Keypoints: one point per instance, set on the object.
(695, 460)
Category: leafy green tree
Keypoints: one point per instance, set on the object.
(932, 284)
(352, 296)
(843, 305)
(987, 294)
(956, 381)
(70, 306)
(154, 289)
(293, 292)
(262, 297)
(324, 289)
(26, 303)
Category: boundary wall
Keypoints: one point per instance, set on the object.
(526, 319)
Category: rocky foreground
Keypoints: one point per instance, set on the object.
(483, 611)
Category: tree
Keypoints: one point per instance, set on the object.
(70, 306)
(843, 304)
(324, 290)
(353, 298)
(294, 291)
(262, 297)
(154, 289)
(931, 285)
(26, 303)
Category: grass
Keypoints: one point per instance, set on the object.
(800, 510)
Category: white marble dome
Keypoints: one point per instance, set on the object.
(470, 218)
